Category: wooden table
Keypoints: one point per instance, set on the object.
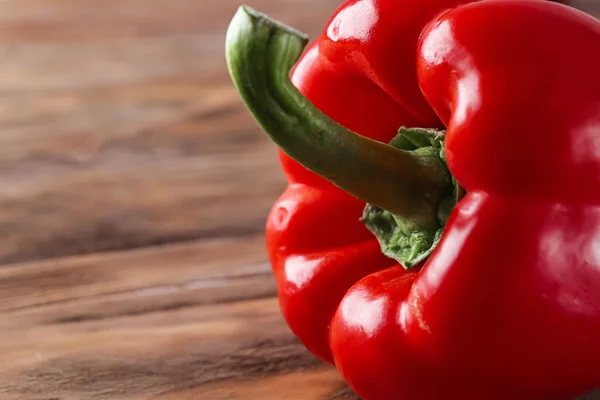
(135, 187)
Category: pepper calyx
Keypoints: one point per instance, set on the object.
(401, 239)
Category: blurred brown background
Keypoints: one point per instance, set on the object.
(134, 190)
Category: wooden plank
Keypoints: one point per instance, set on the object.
(120, 127)
(186, 351)
(161, 185)
(317, 384)
(147, 272)
(172, 322)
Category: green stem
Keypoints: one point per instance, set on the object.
(260, 55)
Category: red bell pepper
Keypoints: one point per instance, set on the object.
(316, 243)
(507, 302)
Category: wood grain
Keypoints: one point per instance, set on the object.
(135, 187)
(176, 321)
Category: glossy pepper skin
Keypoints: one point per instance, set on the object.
(317, 246)
(508, 306)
